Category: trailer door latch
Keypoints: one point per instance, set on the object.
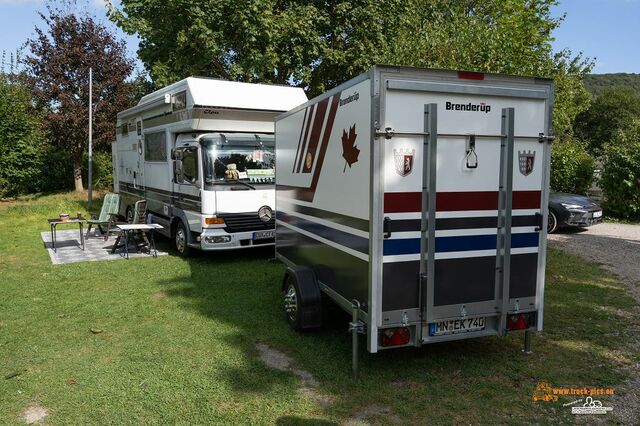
(472, 157)
(386, 227)
(539, 218)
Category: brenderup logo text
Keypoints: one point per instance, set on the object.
(468, 107)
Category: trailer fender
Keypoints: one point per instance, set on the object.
(308, 298)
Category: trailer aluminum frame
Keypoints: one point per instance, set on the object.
(383, 81)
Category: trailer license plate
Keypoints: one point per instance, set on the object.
(262, 235)
(456, 326)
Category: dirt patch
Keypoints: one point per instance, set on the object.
(35, 415)
(361, 417)
(309, 385)
(160, 295)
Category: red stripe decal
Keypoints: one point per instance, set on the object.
(526, 199)
(404, 202)
(400, 202)
(309, 156)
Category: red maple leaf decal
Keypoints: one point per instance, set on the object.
(349, 150)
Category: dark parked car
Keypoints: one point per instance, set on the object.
(574, 210)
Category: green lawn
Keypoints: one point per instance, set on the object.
(179, 344)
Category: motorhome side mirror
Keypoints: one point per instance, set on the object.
(177, 171)
(176, 154)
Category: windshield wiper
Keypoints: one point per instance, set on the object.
(241, 183)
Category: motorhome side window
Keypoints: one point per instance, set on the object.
(179, 101)
(190, 165)
(155, 146)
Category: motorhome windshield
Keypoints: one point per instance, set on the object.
(233, 158)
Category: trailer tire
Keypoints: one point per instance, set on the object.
(302, 299)
(180, 239)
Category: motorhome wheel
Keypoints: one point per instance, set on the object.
(180, 240)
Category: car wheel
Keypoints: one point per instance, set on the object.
(180, 240)
(552, 223)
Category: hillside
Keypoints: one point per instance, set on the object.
(596, 83)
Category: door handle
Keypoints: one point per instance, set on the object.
(386, 227)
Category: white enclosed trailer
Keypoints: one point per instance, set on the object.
(201, 153)
(416, 199)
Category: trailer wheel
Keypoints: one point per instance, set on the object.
(180, 240)
(302, 299)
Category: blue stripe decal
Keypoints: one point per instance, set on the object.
(346, 239)
(458, 243)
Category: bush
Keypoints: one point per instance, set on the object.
(102, 171)
(571, 167)
(621, 175)
(20, 141)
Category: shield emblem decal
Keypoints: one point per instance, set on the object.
(404, 161)
(526, 160)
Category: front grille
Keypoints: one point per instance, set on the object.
(243, 222)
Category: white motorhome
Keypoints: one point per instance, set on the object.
(416, 200)
(201, 152)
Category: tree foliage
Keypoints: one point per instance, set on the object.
(621, 175)
(611, 112)
(58, 71)
(320, 44)
(21, 139)
(571, 167)
(311, 43)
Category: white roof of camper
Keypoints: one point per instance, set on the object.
(231, 94)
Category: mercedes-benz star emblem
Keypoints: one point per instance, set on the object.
(265, 213)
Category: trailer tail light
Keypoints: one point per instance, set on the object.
(213, 221)
(471, 75)
(519, 322)
(395, 336)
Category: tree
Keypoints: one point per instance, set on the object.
(20, 139)
(57, 69)
(611, 112)
(621, 175)
(314, 44)
(320, 44)
(499, 36)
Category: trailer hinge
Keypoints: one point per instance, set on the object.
(542, 138)
(387, 133)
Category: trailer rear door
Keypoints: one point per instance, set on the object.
(464, 178)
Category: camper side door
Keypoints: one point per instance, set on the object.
(187, 179)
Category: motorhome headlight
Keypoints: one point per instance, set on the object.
(217, 239)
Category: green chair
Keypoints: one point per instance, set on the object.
(108, 213)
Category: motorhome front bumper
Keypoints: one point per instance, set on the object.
(219, 239)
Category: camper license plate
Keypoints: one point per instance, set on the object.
(465, 325)
(263, 235)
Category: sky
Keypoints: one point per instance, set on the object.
(605, 30)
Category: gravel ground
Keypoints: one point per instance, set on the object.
(616, 247)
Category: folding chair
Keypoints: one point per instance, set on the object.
(110, 206)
